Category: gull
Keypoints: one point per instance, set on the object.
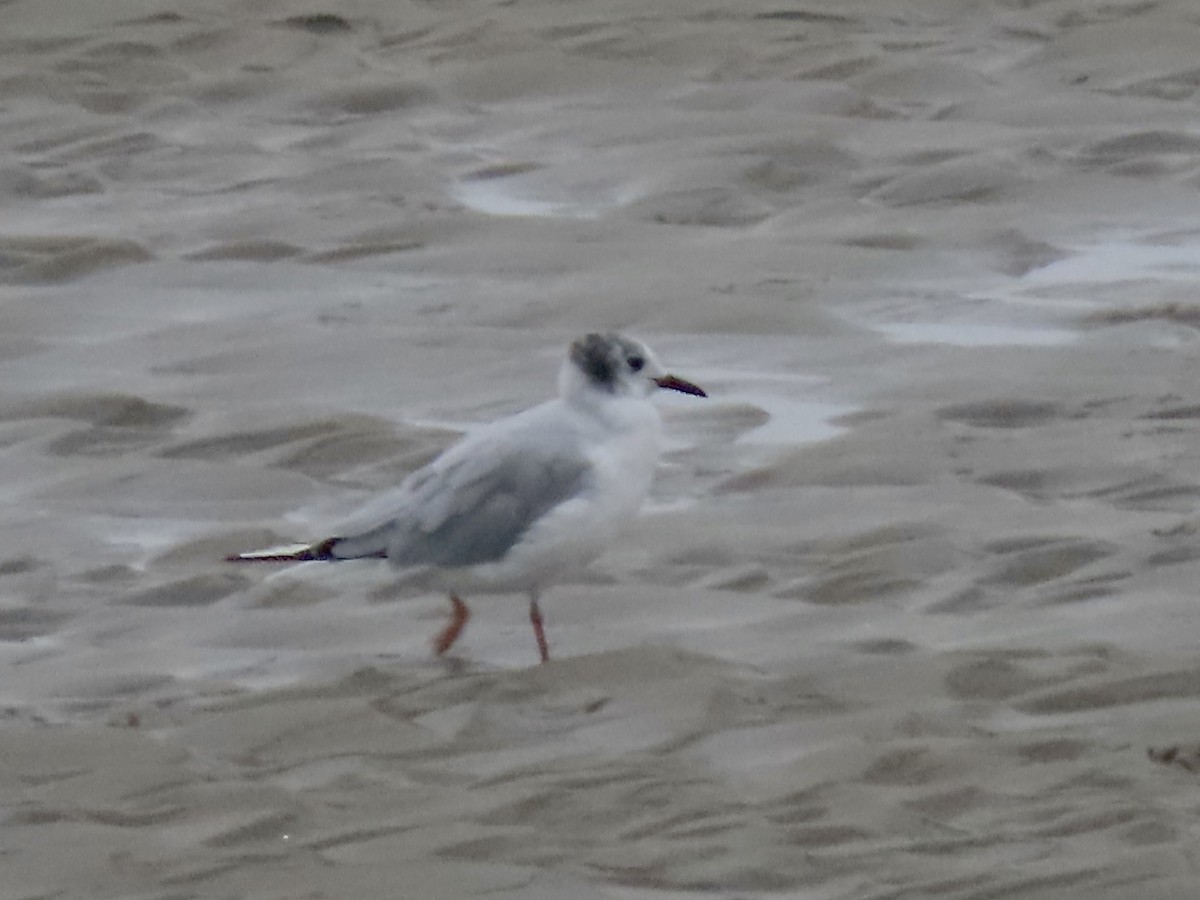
(522, 502)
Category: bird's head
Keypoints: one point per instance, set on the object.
(619, 365)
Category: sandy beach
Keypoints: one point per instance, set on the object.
(910, 611)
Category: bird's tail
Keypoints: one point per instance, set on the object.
(322, 551)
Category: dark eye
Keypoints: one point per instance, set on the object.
(635, 363)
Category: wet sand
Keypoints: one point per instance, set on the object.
(910, 613)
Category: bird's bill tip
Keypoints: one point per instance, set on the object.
(675, 383)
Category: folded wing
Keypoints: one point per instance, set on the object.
(469, 506)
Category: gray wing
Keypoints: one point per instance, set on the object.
(471, 505)
(477, 516)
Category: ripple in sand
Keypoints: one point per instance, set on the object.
(251, 250)
(111, 409)
(20, 623)
(27, 259)
(1001, 413)
(956, 181)
(715, 207)
(1045, 561)
(1139, 145)
(1106, 690)
(199, 590)
(319, 23)
(509, 197)
(117, 423)
(22, 182)
(369, 97)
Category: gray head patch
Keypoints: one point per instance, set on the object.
(597, 356)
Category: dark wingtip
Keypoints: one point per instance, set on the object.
(265, 557)
(310, 553)
(675, 383)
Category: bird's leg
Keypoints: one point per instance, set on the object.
(535, 619)
(458, 621)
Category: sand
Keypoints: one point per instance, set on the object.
(911, 611)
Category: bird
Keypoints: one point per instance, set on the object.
(520, 503)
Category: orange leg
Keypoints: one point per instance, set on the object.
(458, 621)
(535, 618)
